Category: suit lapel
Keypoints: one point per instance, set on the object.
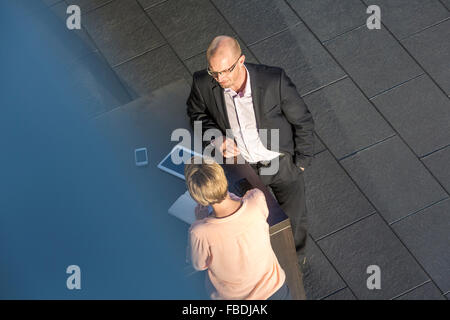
(256, 94)
(220, 103)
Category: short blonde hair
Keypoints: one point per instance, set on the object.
(206, 181)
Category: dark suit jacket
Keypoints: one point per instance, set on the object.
(276, 102)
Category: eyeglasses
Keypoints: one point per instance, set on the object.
(215, 74)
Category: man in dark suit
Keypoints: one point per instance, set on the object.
(245, 98)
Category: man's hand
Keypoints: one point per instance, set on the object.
(226, 146)
(301, 168)
(201, 212)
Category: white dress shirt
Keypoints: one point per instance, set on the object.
(241, 116)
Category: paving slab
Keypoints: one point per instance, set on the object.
(59, 9)
(371, 242)
(439, 165)
(68, 45)
(332, 199)
(152, 70)
(149, 3)
(427, 236)
(345, 119)
(374, 59)
(329, 18)
(405, 17)
(428, 291)
(344, 294)
(420, 112)
(319, 277)
(318, 145)
(393, 179)
(89, 5)
(446, 3)
(431, 48)
(103, 91)
(189, 26)
(304, 59)
(122, 30)
(255, 20)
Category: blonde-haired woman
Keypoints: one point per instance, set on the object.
(233, 243)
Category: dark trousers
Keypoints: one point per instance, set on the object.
(288, 186)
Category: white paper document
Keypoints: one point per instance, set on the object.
(184, 208)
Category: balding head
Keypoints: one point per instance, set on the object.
(223, 45)
(223, 54)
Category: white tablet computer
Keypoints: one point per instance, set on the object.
(179, 152)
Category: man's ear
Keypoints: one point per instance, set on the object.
(242, 58)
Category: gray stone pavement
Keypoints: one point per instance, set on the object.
(378, 189)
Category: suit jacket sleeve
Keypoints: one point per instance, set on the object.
(300, 118)
(197, 110)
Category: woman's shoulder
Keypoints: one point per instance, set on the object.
(254, 193)
(256, 199)
(254, 196)
(198, 228)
